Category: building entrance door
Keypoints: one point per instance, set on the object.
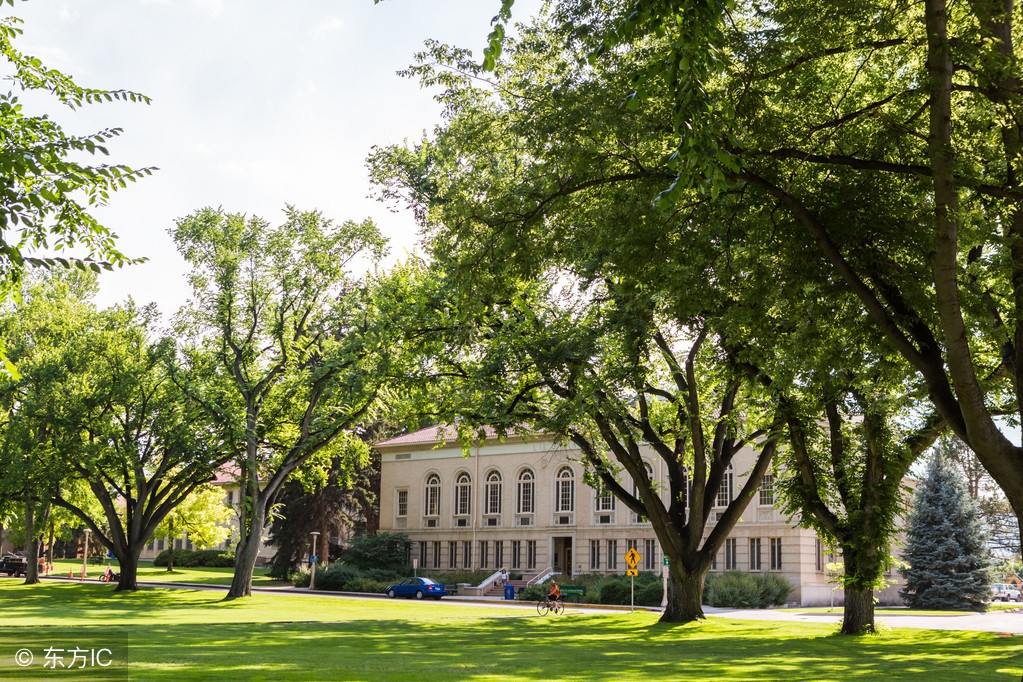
(562, 559)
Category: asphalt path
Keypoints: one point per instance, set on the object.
(1009, 622)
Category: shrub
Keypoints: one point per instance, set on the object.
(736, 589)
(186, 558)
(300, 578)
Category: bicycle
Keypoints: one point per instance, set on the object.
(546, 605)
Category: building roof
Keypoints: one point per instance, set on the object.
(440, 433)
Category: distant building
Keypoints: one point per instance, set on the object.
(521, 504)
(227, 481)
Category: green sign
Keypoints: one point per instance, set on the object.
(666, 561)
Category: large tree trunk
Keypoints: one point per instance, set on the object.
(128, 582)
(858, 614)
(247, 552)
(685, 595)
(32, 542)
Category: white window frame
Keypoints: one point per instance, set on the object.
(432, 497)
(463, 494)
(526, 492)
(564, 491)
(493, 493)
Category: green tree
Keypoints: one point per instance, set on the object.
(884, 145)
(48, 193)
(204, 515)
(949, 565)
(291, 334)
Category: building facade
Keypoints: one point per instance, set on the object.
(521, 504)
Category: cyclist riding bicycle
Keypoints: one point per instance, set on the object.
(555, 592)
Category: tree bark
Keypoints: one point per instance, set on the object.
(170, 546)
(685, 594)
(858, 614)
(247, 552)
(128, 582)
(32, 543)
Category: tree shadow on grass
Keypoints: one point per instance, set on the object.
(524, 648)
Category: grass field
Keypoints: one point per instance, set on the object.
(148, 572)
(162, 634)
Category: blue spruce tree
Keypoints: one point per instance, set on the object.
(946, 546)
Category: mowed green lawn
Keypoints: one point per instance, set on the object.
(150, 573)
(162, 634)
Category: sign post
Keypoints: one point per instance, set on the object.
(664, 595)
(632, 558)
(312, 562)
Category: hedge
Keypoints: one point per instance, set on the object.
(189, 558)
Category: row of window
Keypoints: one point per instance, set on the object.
(521, 554)
(604, 554)
(755, 556)
(525, 497)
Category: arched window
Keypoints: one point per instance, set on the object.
(432, 495)
(463, 494)
(526, 490)
(565, 490)
(493, 493)
(724, 496)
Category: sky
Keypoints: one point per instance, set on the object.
(255, 105)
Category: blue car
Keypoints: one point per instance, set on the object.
(418, 588)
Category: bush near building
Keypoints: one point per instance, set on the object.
(740, 590)
(188, 558)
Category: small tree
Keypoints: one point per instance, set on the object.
(204, 516)
(946, 549)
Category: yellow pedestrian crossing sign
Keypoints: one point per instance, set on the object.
(632, 572)
(632, 557)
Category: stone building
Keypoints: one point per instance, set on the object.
(521, 504)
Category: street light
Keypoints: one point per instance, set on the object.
(85, 556)
(312, 562)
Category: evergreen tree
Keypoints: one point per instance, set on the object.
(946, 548)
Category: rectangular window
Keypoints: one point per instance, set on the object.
(775, 554)
(402, 498)
(178, 544)
(498, 553)
(566, 496)
(432, 499)
(731, 554)
(463, 499)
(594, 555)
(530, 554)
(767, 491)
(159, 545)
(818, 558)
(612, 555)
(436, 554)
(724, 496)
(151, 546)
(649, 555)
(452, 554)
(422, 555)
(714, 563)
(605, 501)
(230, 498)
(494, 498)
(631, 544)
(525, 495)
(754, 554)
(467, 554)
(484, 553)
(516, 554)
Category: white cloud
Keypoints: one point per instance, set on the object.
(213, 7)
(66, 14)
(327, 25)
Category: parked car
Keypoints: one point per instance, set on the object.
(1006, 592)
(418, 588)
(12, 564)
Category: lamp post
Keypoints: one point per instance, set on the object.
(85, 556)
(312, 562)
